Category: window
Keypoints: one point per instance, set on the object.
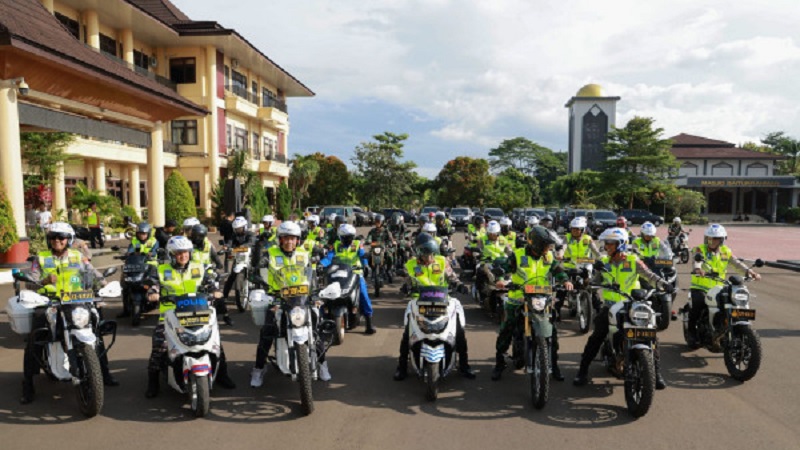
(722, 169)
(140, 60)
(240, 142)
(195, 185)
(108, 45)
(756, 170)
(143, 194)
(184, 132)
(227, 77)
(269, 148)
(688, 170)
(239, 84)
(229, 136)
(256, 146)
(268, 98)
(254, 99)
(182, 70)
(72, 25)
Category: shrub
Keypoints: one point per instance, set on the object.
(284, 202)
(792, 215)
(256, 198)
(179, 200)
(693, 219)
(8, 228)
(128, 210)
(108, 207)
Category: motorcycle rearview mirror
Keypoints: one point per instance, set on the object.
(22, 277)
(759, 263)
(698, 258)
(110, 271)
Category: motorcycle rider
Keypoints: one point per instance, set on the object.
(716, 257)
(350, 251)
(164, 233)
(241, 238)
(179, 276)
(381, 235)
(266, 233)
(205, 254)
(675, 229)
(338, 221)
(533, 262)
(624, 269)
(546, 221)
(315, 232)
(397, 225)
(286, 253)
(578, 244)
(57, 268)
(533, 220)
(647, 244)
(431, 269)
(188, 224)
(507, 233)
(444, 226)
(477, 229)
(142, 242)
(492, 246)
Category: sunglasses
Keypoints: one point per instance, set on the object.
(58, 237)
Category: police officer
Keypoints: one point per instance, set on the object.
(266, 232)
(349, 250)
(333, 237)
(178, 277)
(624, 269)
(286, 253)
(577, 244)
(444, 226)
(507, 233)
(381, 235)
(716, 256)
(143, 242)
(477, 229)
(164, 233)
(315, 232)
(188, 223)
(492, 246)
(60, 270)
(241, 238)
(532, 265)
(205, 254)
(647, 244)
(674, 230)
(431, 269)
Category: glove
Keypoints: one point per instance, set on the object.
(463, 289)
(152, 297)
(667, 288)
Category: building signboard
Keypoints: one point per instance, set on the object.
(731, 182)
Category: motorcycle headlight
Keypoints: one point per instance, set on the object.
(298, 316)
(80, 317)
(430, 327)
(377, 250)
(539, 303)
(641, 315)
(741, 298)
(189, 338)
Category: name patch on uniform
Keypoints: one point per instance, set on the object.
(279, 259)
(49, 263)
(195, 273)
(300, 259)
(437, 268)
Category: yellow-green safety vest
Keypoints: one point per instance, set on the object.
(715, 262)
(67, 270)
(646, 249)
(146, 246)
(576, 248)
(625, 274)
(530, 271)
(175, 282)
(278, 260)
(203, 255)
(349, 255)
(430, 275)
(493, 250)
(92, 219)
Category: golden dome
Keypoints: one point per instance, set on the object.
(591, 90)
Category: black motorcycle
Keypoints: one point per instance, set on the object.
(341, 298)
(493, 304)
(134, 292)
(663, 265)
(680, 246)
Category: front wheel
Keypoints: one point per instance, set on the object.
(199, 395)
(539, 372)
(685, 255)
(640, 382)
(304, 378)
(341, 329)
(584, 312)
(743, 353)
(241, 291)
(663, 319)
(376, 280)
(90, 389)
(432, 379)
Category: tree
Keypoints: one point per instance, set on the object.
(8, 225)
(637, 158)
(584, 189)
(386, 179)
(217, 201)
(509, 191)
(684, 202)
(284, 206)
(529, 158)
(332, 184)
(304, 170)
(463, 181)
(239, 165)
(786, 146)
(109, 207)
(256, 197)
(43, 152)
(179, 201)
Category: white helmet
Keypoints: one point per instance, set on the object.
(179, 243)
(289, 228)
(60, 229)
(619, 235)
(332, 217)
(578, 222)
(716, 230)
(190, 222)
(533, 220)
(346, 229)
(676, 220)
(493, 227)
(268, 218)
(648, 229)
(239, 222)
(429, 228)
(313, 219)
(440, 215)
(505, 222)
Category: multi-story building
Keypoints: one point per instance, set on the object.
(232, 95)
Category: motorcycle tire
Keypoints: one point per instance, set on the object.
(240, 286)
(389, 276)
(586, 312)
(199, 392)
(136, 314)
(690, 342)
(341, 329)
(743, 354)
(377, 283)
(685, 256)
(640, 385)
(304, 378)
(432, 381)
(539, 372)
(662, 321)
(90, 390)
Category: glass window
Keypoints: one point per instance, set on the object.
(229, 135)
(227, 78)
(140, 59)
(256, 146)
(72, 25)
(239, 84)
(184, 132)
(240, 142)
(183, 70)
(195, 185)
(254, 98)
(108, 45)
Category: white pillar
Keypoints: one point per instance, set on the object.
(126, 36)
(11, 155)
(212, 134)
(134, 187)
(92, 22)
(88, 169)
(100, 176)
(59, 190)
(155, 175)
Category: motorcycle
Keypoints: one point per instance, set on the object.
(493, 305)
(469, 260)
(134, 293)
(663, 265)
(579, 300)
(432, 320)
(240, 256)
(70, 338)
(728, 331)
(679, 245)
(341, 298)
(633, 360)
(380, 271)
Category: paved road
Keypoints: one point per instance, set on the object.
(362, 407)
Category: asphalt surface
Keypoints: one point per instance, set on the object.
(362, 407)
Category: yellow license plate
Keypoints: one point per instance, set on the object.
(192, 321)
(663, 262)
(294, 291)
(546, 290)
(642, 334)
(585, 260)
(77, 295)
(749, 314)
(241, 250)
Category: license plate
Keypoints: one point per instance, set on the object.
(192, 321)
(585, 260)
(77, 296)
(437, 310)
(641, 334)
(132, 268)
(748, 314)
(241, 250)
(546, 290)
(294, 291)
(663, 262)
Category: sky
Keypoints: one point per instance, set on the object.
(460, 76)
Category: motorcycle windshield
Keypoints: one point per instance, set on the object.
(433, 295)
(296, 282)
(135, 262)
(664, 251)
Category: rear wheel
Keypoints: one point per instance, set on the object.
(304, 378)
(585, 312)
(341, 329)
(136, 314)
(685, 255)
(539, 372)
(432, 379)
(240, 285)
(743, 353)
(640, 382)
(90, 389)
(199, 395)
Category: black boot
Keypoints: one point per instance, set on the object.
(557, 375)
(401, 373)
(660, 383)
(582, 378)
(499, 366)
(108, 379)
(368, 328)
(222, 378)
(152, 384)
(466, 371)
(227, 319)
(27, 392)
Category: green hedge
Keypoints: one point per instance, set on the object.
(179, 200)
(8, 227)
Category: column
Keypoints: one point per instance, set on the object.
(59, 190)
(100, 176)
(11, 154)
(136, 199)
(124, 179)
(126, 36)
(92, 23)
(774, 207)
(48, 5)
(88, 169)
(155, 175)
(212, 134)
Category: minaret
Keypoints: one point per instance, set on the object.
(591, 116)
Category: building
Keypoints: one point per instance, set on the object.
(147, 89)
(591, 116)
(735, 181)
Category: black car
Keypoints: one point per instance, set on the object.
(493, 214)
(640, 216)
(460, 217)
(600, 219)
(363, 217)
(407, 216)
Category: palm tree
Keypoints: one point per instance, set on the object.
(304, 170)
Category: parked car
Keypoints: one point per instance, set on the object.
(493, 214)
(640, 216)
(311, 210)
(522, 221)
(461, 217)
(363, 217)
(407, 216)
(428, 209)
(340, 210)
(567, 216)
(599, 220)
